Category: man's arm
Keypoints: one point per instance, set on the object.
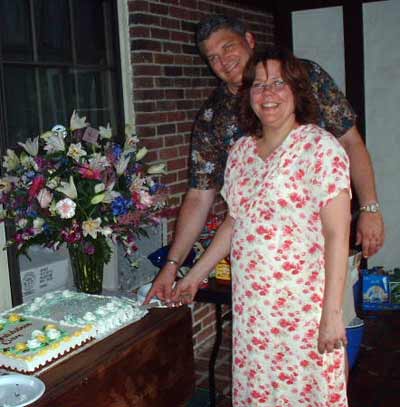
(370, 227)
(192, 217)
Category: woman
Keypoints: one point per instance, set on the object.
(288, 194)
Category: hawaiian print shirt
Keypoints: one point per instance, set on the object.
(216, 127)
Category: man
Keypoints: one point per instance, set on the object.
(226, 45)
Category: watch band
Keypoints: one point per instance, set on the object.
(372, 207)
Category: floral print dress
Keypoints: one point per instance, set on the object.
(277, 257)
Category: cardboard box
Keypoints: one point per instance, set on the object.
(47, 271)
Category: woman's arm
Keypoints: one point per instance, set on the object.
(335, 217)
(185, 290)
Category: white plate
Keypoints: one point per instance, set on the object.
(18, 390)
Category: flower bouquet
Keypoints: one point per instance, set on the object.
(77, 187)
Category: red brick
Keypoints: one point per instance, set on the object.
(159, 9)
(145, 131)
(144, 19)
(184, 150)
(182, 37)
(166, 129)
(176, 164)
(183, 175)
(153, 143)
(169, 178)
(164, 59)
(160, 34)
(168, 153)
(182, 127)
(147, 70)
(142, 57)
(172, 47)
(138, 5)
(176, 116)
(148, 118)
(148, 94)
(173, 140)
(178, 188)
(166, 105)
(139, 31)
(145, 44)
(152, 156)
(143, 83)
(182, 59)
(170, 23)
(174, 93)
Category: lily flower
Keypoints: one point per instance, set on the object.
(68, 188)
(105, 132)
(44, 198)
(11, 160)
(122, 164)
(31, 146)
(157, 169)
(91, 227)
(76, 151)
(55, 143)
(77, 122)
(141, 153)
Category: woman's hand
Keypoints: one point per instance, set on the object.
(185, 290)
(332, 332)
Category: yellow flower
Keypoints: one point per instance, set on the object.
(50, 326)
(21, 346)
(41, 338)
(14, 317)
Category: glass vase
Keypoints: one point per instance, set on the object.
(87, 270)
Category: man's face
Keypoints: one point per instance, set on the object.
(227, 53)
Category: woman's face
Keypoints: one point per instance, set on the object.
(271, 98)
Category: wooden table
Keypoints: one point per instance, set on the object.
(146, 364)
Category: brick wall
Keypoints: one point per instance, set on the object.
(170, 84)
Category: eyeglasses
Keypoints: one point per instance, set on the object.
(275, 86)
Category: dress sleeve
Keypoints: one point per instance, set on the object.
(336, 113)
(207, 158)
(231, 177)
(330, 170)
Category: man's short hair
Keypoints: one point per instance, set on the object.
(217, 22)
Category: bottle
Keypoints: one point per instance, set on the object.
(223, 271)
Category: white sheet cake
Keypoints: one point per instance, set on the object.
(107, 314)
(34, 334)
(27, 344)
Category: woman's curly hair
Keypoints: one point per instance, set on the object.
(294, 74)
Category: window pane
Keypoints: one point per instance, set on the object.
(52, 30)
(90, 32)
(15, 30)
(22, 105)
(57, 97)
(95, 97)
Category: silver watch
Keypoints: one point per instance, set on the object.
(372, 207)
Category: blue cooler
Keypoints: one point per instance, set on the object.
(354, 332)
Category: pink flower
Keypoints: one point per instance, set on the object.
(44, 197)
(89, 173)
(37, 184)
(66, 208)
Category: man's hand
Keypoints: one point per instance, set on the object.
(162, 285)
(370, 233)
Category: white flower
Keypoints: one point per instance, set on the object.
(53, 333)
(68, 188)
(37, 332)
(31, 146)
(123, 162)
(44, 197)
(77, 122)
(27, 161)
(98, 162)
(66, 208)
(46, 135)
(11, 161)
(53, 183)
(76, 151)
(22, 223)
(157, 169)
(110, 195)
(105, 132)
(33, 343)
(141, 153)
(5, 185)
(100, 187)
(91, 227)
(129, 131)
(38, 225)
(55, 143)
